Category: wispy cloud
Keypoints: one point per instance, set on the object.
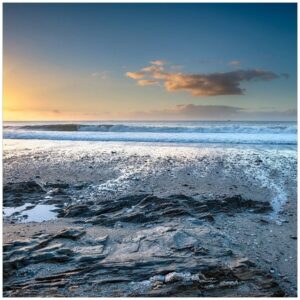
(213, 112)
(285, 75)
(153, 68)
(135, 75)
(234, 63)
(144, 82)
(103, 74)
(158, 62)
(212, 84)
(176, 67)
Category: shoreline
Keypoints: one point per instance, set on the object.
(106, 171)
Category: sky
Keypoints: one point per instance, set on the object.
(149, 61)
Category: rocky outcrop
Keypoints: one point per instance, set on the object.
(16, 194)
(142, 209)
(138, 245)
(173, 259)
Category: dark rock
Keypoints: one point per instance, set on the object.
(23, 187)
(56, 191)
(79, 186)
(154, 246)
(76, 211)
(70, 233)
(161, 261)
(57, 185)
(148, 208)
(16, 194)
(264, 221)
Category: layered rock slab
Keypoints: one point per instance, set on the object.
(173, 259)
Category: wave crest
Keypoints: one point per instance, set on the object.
(232, 128)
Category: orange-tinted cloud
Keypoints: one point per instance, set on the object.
(135, 75)
(213, 84)
(144, 82)
(153, 68)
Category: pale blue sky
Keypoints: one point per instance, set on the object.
(70, 60)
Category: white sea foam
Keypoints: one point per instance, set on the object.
(226, 138)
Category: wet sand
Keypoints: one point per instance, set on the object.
(80, 179)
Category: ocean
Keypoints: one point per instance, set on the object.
(202, 132)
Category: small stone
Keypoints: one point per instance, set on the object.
(173, 277)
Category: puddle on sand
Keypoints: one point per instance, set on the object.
(39, 213)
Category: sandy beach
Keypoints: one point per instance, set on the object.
(124, 219)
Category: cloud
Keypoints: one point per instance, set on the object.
(285, 75)
(190, 112)
(176, 67)
(158, 62)
(103, 75)
(213, 112)
(234, 63)
(135, 75)
(144, 82)
(153, 68)
(212, 84)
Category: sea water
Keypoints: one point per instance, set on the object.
(208, 132)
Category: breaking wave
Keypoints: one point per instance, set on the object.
(205, 127)
(275, 133)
